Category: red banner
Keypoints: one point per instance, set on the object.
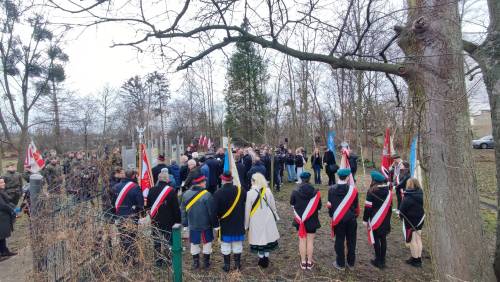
(146, 178)
(386, 155)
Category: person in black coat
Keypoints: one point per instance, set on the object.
(404, 175)
(157, 168)
(183, 170)
(242, 173)
(290, 166)
(229, 202)
(377, 194)
(7, 218)
(215, 168)
(258, 167)
(266, 160)
(164, 214)
(317, 165)
(330, 166)
(345, 229)
(299, 200)
(412, 213)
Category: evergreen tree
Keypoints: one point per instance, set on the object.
(246, 100)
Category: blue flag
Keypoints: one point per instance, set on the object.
(226, 161)
(331, 141)
(413, 156)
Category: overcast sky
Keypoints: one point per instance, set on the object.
(93, 64)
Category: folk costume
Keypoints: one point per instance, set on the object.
(164, 211)
(229, 202)
(377, 216)
(412, 213)
(343, 208)
(260, 220)
(198, 213)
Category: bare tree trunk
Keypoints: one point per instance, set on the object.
(57, 119)
(433, 36)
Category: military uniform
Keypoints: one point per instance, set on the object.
(53, 176)
(13, 186)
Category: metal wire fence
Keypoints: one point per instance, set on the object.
(73, 239)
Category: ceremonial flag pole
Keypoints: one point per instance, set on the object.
(386, 155)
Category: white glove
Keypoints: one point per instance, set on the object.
(365, 223)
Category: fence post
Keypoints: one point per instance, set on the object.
(37, 243)
(177, 253)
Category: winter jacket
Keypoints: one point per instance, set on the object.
(299, 161)
(108, 206)
(242, 173)
(156, 171)
(329, 158)
(336, 195)
(214, 171)
(190, 176)
(201, 216)
(401, 188)
(174, 170)
(183, 173)
(412, 208)
(353, 163)
(258, 167)
(299, 199)
(205, 170)
(7, 216)
(13, 186)
(262, 228)
(247, 161)
(234, 223)
(376, 199)
(266, 160)
(317, 161)
(290, 159)
(133, 202)
(169, 212)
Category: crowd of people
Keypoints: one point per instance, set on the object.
(201, 195)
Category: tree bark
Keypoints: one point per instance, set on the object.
(432, 38)
(487, 55)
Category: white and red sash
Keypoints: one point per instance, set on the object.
(375, 222)
(343, 207)
(160, 200)
(308, 212)
(123, 194)
(407, 232)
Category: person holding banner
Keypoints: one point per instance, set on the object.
(306, 202)
(229, 202)
(198, 213)
(377, 216)
(164, 211)
(412, 213)
(343, 208)
(260, 219)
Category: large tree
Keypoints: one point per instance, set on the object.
(246, 100)
(26, 69)
(487, 55)
(433, 70)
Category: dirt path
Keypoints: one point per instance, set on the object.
(18, 268)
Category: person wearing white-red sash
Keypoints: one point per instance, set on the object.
(412, 213)
(306, 202)
(164, 211)
(377, 216)
(343, 208)
(129, 203)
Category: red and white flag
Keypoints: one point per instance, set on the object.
(146, 177)
(34, 158)
(200, 141)
(386, 155)
(308, 212)
(209, 144)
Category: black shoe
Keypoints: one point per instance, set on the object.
(261, 262)
(410, 260)
(417, 262)
(206, 261)
(8, 254)
(196, 261)
(237, 261)
(227, 263)
(376, 263)
(266, 262)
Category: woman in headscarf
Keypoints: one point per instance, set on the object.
(260, 219)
